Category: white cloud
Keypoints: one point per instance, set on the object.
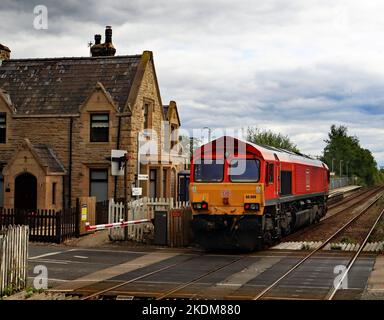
(293, 66)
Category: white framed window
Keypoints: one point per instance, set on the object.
(99, 127)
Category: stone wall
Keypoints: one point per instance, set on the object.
(5, 53)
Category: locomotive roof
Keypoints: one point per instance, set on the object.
(268, 153)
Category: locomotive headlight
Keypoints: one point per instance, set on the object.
(258, 189)
(251, 207)
(200, 205)
(254, 206)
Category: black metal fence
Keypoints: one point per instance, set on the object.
(44, 225)
(102, 208)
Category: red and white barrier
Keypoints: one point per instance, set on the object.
(121, 224)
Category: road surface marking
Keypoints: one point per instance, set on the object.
(45, 255)
(52, 261)
(53, 279)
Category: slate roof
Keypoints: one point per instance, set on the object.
(5, 48)
(61, 85)
(48, 158)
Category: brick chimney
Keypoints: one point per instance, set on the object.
(103, 49)
(5, 53)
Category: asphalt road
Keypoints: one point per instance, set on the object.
(66, 264)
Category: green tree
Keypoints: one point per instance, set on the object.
(343, 153)
(270, 138)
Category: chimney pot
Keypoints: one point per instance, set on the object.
(108, 34)
(105, 49)
(97, 38)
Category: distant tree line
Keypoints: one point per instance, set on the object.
(270, 138)
(355, 160)
(343, 153)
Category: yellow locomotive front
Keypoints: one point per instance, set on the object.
(227, 200)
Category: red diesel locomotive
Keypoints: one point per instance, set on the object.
(245, 195)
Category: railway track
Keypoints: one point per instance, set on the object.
(330, 222)
(352, 260)
(113, 290)
(192, 286)
(353, 201)
(349, 198)
(355, 198)
(99, 293)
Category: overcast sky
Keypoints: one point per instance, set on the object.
(295, 67)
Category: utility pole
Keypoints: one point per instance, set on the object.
(125, 199)
(347, 171)
(341, 168)
(138, 162)
(209, 133)
(191, 142)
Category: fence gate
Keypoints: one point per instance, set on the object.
(44, 225)
(179, 226)
(13, 259)
(174, 228)
(137, 210)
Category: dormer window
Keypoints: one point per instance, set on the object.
(100, 127)
(3, 128)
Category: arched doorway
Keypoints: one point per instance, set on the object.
(26, 192)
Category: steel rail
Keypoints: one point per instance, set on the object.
(332, 293)
(366, 195)
(184, 285)
(350, 197)
(98, 293)
(162, 295)
(347, 209)
(313, 252)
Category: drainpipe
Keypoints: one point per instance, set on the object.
(70, 162)
(117, 147)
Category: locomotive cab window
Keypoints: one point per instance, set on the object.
(244, 170)
(209, 170)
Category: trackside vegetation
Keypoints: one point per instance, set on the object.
(342, 153)
(356, 161)
(270, 138)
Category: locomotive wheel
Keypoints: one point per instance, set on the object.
(267, 239)
(286, 231)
